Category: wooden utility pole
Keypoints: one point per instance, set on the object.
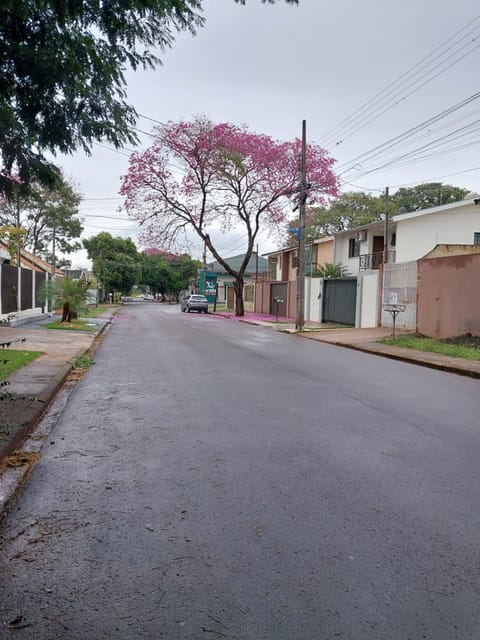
(300, 316)
(385, 229)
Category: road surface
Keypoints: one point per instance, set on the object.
(210, 479)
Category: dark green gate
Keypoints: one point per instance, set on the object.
(340, 300)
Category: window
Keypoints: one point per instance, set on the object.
(393, 240)
(476, 238)
(294, 259)
(353, 248)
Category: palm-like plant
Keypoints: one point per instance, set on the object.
(331, 271)
(68, 294)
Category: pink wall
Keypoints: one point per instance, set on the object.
(448, 296)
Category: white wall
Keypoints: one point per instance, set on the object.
(417, 236)
(368, 290)
(313, 299)
(341, 254)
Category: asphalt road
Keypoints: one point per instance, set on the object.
(210, 479)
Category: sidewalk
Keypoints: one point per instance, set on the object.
(37, 383)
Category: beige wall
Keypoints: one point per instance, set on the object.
(324, 253)
(448, 300)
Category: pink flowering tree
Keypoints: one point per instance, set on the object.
(200, 175)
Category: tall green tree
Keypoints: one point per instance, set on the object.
(427, 195)
(62, 82)
(45, 214)
(350, 210)
(115, 261)
(167, 273)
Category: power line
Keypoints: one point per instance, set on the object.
(365, 110)
(379, 149)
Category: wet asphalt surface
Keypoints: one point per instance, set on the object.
(210, 479)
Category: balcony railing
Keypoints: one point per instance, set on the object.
(368, 261)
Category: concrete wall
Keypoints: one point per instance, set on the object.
(448, 296)
(417, 236)
(313, 299)
(262, 297)
(341, 254)
(367, 299)
(324, 253)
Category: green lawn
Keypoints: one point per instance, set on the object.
(93, 312)
(74, 325)
(435, 346)
(11, 360)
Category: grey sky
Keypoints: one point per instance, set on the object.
(269, 67)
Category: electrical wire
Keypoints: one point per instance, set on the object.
(395, 141)
(349, 121)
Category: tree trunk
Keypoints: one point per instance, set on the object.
(66, 313)
(238, 288)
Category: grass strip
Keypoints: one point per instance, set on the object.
(74, 325)
(434, 346)
(11, 360)
(93, 312)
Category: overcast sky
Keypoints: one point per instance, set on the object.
(270, 67)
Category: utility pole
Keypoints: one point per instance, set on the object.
(385, 229)
(300, 316)
(54, 239)
(204, 268)
(19, 255)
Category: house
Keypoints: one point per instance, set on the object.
(410, 237)
(282, 278)
(363, 248)
(21, 285)
(217, 276)
(374, 272)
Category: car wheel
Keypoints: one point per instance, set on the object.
(188, 309)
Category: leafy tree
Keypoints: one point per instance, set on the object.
(348, 211)
(62, 64)
(45, 212)
(167, 273)
(232, 178)
(116, 262)
(68, 294)
(424, 196)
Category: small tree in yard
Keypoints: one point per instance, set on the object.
(231, 178)
(68, 294)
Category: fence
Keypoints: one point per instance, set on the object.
(400, 287)
(20, 289)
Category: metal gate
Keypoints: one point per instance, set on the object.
(279, 290)
(339, 300)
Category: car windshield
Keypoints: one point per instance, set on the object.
(198, 298)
